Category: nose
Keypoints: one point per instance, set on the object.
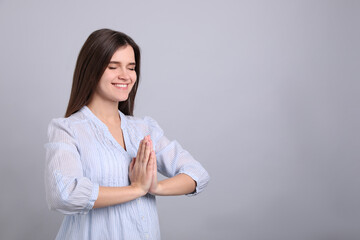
(123, 74)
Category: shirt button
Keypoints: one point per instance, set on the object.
(146, 236)
(142, 217)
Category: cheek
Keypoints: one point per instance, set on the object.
(134, 77)
(102, 84)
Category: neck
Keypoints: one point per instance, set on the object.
(106, 111)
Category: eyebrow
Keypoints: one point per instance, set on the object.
(115, 62)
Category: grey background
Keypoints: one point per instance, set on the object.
(265, 94)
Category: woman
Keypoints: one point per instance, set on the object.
(101, 162)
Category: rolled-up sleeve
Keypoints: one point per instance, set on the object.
(67, 190)
(172, 159)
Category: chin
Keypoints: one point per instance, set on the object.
(122, 99)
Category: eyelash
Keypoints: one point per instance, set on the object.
(113, 68)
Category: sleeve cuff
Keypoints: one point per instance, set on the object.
(201, 182)
(93, 197)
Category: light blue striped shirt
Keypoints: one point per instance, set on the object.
(82, 155)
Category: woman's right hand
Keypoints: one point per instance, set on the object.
(141, 168)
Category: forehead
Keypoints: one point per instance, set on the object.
(124, 54)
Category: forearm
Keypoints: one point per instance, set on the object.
(140, 174)
(178, 185)
(115, 195)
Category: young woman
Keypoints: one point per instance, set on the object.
(101, 162)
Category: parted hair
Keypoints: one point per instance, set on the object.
(91, 63)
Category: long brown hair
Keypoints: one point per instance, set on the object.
(92, 61)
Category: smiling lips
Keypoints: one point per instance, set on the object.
(120, 86)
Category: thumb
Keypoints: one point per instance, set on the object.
(132, 164)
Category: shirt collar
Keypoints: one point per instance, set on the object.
(86, 110)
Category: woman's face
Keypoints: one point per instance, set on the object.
(119, 77)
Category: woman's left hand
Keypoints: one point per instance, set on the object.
(154, 187)
(178, 185)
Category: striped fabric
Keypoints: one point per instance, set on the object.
(82, 155)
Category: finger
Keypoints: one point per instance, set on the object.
(144, 157)
(153, 156)
(132, 164)
(150, 166)
(151, 144)
(145, 146)
(154, 159)
(139, 150)
(142, 149)
(147, 151)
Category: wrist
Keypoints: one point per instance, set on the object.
(158, 190)
(138, 191)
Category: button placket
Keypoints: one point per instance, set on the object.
(142, 216)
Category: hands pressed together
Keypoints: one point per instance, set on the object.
(143, 178)
(143, 168)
